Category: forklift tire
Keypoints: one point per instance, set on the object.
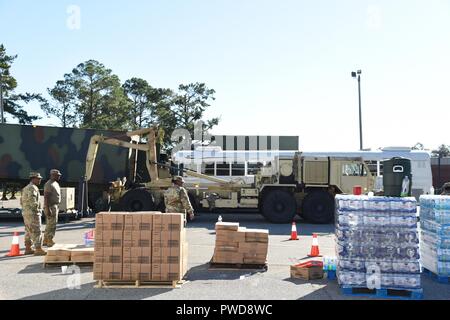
(318, 207)
(279, 206)
(137, 200)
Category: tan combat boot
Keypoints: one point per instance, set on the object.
(39, 252)
(50, 243)
(44, 242)
(28, 249)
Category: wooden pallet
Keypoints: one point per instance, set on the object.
(67, 263)
(237, 266)
(438, 278)
(402, 294)
(126, 284)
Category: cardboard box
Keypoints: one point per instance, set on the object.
(142, 272)
(228, 257)
(168, 222)
(227, 249)
(177, 222)
(112, 271)
(255, 260)
(161, 252)
(253, 247)
(57, 258)
(126, 272)
(231, 236)
(306, 273)
(110, 238)
(98, 271)
(137, 239)
(230, 226)
(61, 249)
(111, 255)
(82, 255)
(141, 255)
(110, 221)
(146, 223)
(168, 238)
(227, 244)
(257, 235)
(132, 221)
(135, 271)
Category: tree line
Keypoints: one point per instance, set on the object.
(92, 96)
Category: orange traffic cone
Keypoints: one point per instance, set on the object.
(294, 235)
(314, 247)
(15, 249)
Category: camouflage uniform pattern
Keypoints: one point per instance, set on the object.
(31, 215)
(51, 210)
(176, 200)
(25, 148)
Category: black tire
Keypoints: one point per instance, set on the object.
(279, 206)
(137, 200)
(318, 207)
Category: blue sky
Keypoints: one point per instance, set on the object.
(279, 67)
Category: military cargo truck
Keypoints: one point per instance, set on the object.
(25, 148)
(290, 185)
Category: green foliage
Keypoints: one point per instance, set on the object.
(442, 151)
(13, 103)
(63, 105)
(100, 100)
(145, 102)
(190, 103)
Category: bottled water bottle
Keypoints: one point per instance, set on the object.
(219, 219)
(405, 187)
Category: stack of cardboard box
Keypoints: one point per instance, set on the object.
(108, 254)
(169, 247)
(69, 253)
(137, 246)
(238, 245)
(145, 246)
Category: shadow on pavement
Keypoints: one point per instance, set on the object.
(88, 292)
(202, 272)
(39, 268)
(256, 221)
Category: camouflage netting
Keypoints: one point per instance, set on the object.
(34, 148)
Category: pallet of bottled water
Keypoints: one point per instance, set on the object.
(377, 243)
(435, 235)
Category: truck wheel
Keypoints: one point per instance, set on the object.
(318, 207)
(279, 207)
(137, 200)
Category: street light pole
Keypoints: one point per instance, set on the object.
(360, 114)
(2, 120)
(358, 76)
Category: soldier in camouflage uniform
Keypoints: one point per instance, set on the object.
(31, 213)
(52, 199)
(176, 198)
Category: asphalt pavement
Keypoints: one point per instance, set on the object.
(26, 278)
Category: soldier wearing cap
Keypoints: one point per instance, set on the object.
(31, 212)
(176, 198)
(52, 199)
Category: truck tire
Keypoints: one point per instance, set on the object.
(137, 200)
(318, 207)
(279, 206)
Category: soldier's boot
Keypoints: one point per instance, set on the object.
(50, 243)
(28, 249)
(39, 252)
(44, 242)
